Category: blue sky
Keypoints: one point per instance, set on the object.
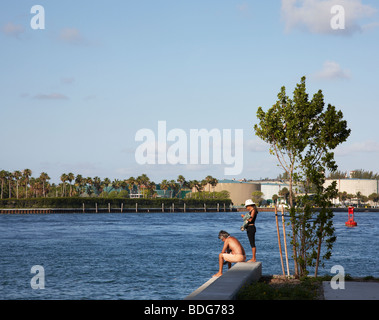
(74, 95)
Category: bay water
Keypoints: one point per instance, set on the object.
(151, 256)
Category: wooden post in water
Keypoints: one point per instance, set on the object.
(83, 207)
(184, 207)
(218, 207)
(280, 243)
(122, 206)
(224, 207)
(173, 207)
(109, 207)
(96, 207)
(136, 206)
(205, 207)
(162, 207)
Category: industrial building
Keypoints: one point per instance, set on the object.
(241, 190)
(353, 186)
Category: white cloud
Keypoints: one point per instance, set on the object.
(257, 145)
(67, 80)
(332, 70)
(72, 36)
(13, 30)
(315, 15)
(244, 9)
(51, 96)
(369, 146)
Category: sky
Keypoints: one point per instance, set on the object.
(80, 80)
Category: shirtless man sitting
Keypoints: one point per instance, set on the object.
(231, 252)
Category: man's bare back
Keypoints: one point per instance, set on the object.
(234, 246)
(232, 251)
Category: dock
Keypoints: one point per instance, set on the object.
(229, 284)
(109, 209)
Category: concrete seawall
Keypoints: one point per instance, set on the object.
(228, 285)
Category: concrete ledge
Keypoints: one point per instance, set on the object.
(227, 286)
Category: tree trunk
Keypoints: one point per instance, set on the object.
(293, 222)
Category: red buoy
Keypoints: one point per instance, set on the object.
(350, 222)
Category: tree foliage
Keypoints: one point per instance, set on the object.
(302, 134)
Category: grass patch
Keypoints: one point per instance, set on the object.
(281, 288)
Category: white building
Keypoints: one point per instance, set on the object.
(270, 188)
(352, 186)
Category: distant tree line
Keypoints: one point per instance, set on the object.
(355, 174)
(20, 184)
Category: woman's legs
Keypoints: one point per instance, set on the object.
(251, 235)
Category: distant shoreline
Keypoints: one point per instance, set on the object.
(142, 209)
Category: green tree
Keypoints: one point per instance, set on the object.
(363, 174)
(97, 184)
(79, 183)
(70, 178)
(89, 183)
(26, 173)
(337, 175)
(143, 182)
(302, 136)
(43, 178)
(284, 193)
(10, 182)
(17, 176)
(131, 182)
(374, 197)
(3, 178)
(257, 196)
(164, 185)
(64, 178)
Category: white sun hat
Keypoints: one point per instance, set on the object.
(249, 202)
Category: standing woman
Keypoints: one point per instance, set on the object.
(250, 228)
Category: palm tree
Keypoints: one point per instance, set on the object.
(191, 185)
(174, 186)
(70, 177)
(143, 181)
(10, 180)
(105, 184)
(214, 183)
(64, 178)
(34, 186)
(89, 181)
(80, 182)
(97, 184)
(26, 173)
(17, 175)
(131, 182)
(151, 189)
(164, 185)
(116, 184)
(208, 180)
(44, 177)
(182, 182)
(3, 178)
